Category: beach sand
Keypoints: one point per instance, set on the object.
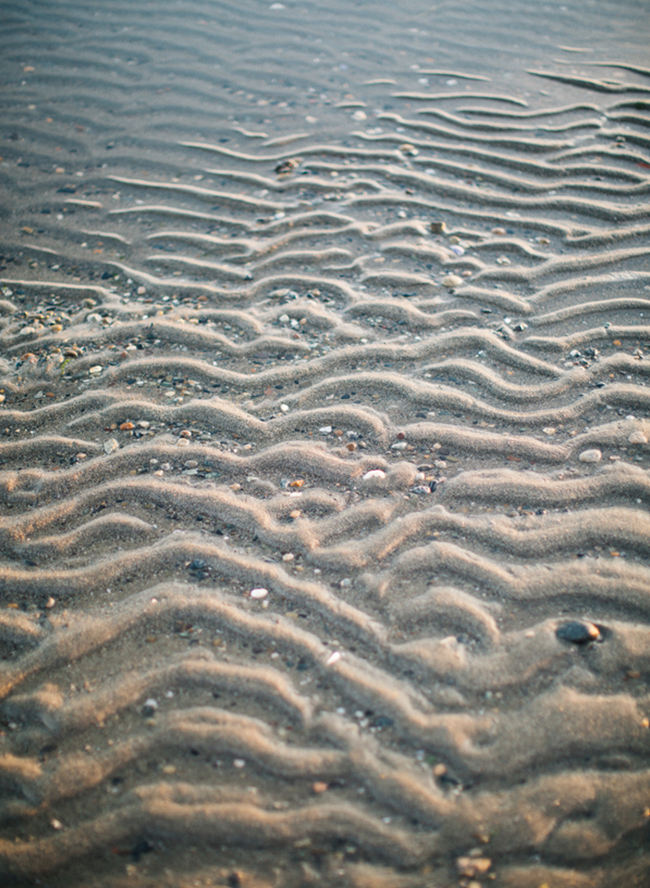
(324, 454)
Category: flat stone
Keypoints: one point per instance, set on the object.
(577, 632)
(590, 456)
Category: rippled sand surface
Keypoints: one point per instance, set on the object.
(324, 445)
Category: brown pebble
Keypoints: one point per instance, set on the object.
(319, 787)
(126, 426)
(351, 446)
(186, 433)
(297, 483)
(439, 770)
(499, 231)
(295, 514)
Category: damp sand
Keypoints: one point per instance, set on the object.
(324, 445)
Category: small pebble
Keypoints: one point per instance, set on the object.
(56, 824)
(325, 430)
(637, 438)
(288, 556)
(182, 442)
(549, 430)
(49, 604)
(374, 475)
(319, 787)
(333, 658)
(168, 769)
(452, 280)
(239, 763)
(96, 369)
(438, 227)
(259, 593)
(577, 632)
(186, 433)
(111, 446)
(590, 456)
(409, 149)
(126, 426)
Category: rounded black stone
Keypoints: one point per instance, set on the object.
(577, 632)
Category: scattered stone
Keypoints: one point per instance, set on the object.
(259, 593)
(144, 423)
(333, 658)
(359, 115)
(127, 426)
(96, 369)
(500, 232)
(49, 604)
(168, 769)
(111, 446)
(439, 770)
(239, 763)
(409, 149)
(637, 438)
(186, 433)
(438, 227)
(182, 442)
(451, 281)
(374, 475)
(351, 446)
(577, 632)
(549, 430)
(325, 430)
(590, 456)
(288, 556)
(295, 513)
(319, 787)
(149, 707)
(399, 445)
(473, 866)
(56, 824)
(286, 166)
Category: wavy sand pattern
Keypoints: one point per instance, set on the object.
(391, 373)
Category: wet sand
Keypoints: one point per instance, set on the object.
(324, 445)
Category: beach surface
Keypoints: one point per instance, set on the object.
(324, 461)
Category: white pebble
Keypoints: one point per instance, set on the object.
(239, 763)
(259, 593)
(111, 446)
(591, 456)
(325, 430)
(345, 583)
(374, 474)
(637, 438)
(96, 369)
(333, 658)
(359, 115)
(284, 408)
(452, 280)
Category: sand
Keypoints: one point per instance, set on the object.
(324, 452)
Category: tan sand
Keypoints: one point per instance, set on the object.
(324, 445)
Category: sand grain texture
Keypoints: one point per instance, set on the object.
(294, 301)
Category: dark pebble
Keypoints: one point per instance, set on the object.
(577, 632)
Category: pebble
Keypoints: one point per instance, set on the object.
(452, 280)
(549, 430)
(168, 769)
(144, 423)
(296, 513)
(374, 474)
(182, 442)
(333, 658)
(96, 369)
(637, 438)
(149, 706)
(284, 408)
(56, 824)
(438, 227)
(259, 593)
(49, 604)
(126, 426)
(457, 249)
(577, 632)
(319, 787)
(359, 115)
(111, 446)
(400, 445)
(288, 556)
(325, 430)
(473, 866)
(409, 149)
(239, 763)
(590, 456)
